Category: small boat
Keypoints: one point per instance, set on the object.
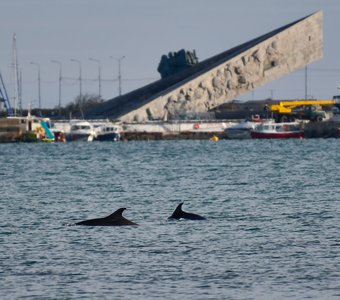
(105, 132)
(240, 130)
(80, 131)
(59, 136)
(272, 130)
(32, 128)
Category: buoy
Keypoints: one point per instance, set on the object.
(215, 138)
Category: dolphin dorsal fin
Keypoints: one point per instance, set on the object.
(117, 213)
(179, 208)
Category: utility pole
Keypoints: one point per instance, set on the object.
(80, 87)
(119, 73)
(39, 84)
(99, 76)
(80, 78)
(60, 80)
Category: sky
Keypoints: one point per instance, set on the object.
(142, 31)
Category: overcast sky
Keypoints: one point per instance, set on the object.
(144, 30)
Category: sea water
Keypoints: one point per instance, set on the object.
(272, 228)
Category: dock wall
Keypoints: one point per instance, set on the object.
(173, 130)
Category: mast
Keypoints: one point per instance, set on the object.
(15, 77)
(20, 91)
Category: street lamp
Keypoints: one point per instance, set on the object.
(119, 73)
(60, 78)
(80, 89)
(99, 77)
(39, 87)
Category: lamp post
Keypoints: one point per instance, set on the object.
(39, 87)
(99, 76)
(80, 87)
(60, 78)
(119, 73)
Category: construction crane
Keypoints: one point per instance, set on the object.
(300, 109)
(4, 97)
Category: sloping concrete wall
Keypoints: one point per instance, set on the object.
(290, 48)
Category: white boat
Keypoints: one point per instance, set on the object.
(272, 130)
(240, 130)
(105, 132)
(80, 130)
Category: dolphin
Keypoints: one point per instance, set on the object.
(115, 219)
(180, 214)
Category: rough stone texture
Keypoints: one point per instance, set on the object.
(225, 76)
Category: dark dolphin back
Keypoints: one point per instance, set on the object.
(115, 219)
(191, 216)
(180, 214)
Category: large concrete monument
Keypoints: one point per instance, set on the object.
(223, 77)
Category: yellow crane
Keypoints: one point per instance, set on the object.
(287, 106)
(300, 109)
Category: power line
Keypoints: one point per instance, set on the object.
(76, 79)
(328, 70)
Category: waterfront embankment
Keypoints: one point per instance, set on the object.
(12, 130)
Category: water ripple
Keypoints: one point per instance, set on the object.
(272, 228)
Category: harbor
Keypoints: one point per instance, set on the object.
(235, 120)
(169, 150)
(193, 99)
(34, 129)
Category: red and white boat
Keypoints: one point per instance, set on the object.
(272, 130)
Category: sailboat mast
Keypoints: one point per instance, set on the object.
(20, 91)
(15, 76)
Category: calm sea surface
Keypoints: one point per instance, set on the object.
(272, 228)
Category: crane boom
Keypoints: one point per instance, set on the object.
(288, 106)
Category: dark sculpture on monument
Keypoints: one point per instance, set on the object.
(191, 87)
(176, 62)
